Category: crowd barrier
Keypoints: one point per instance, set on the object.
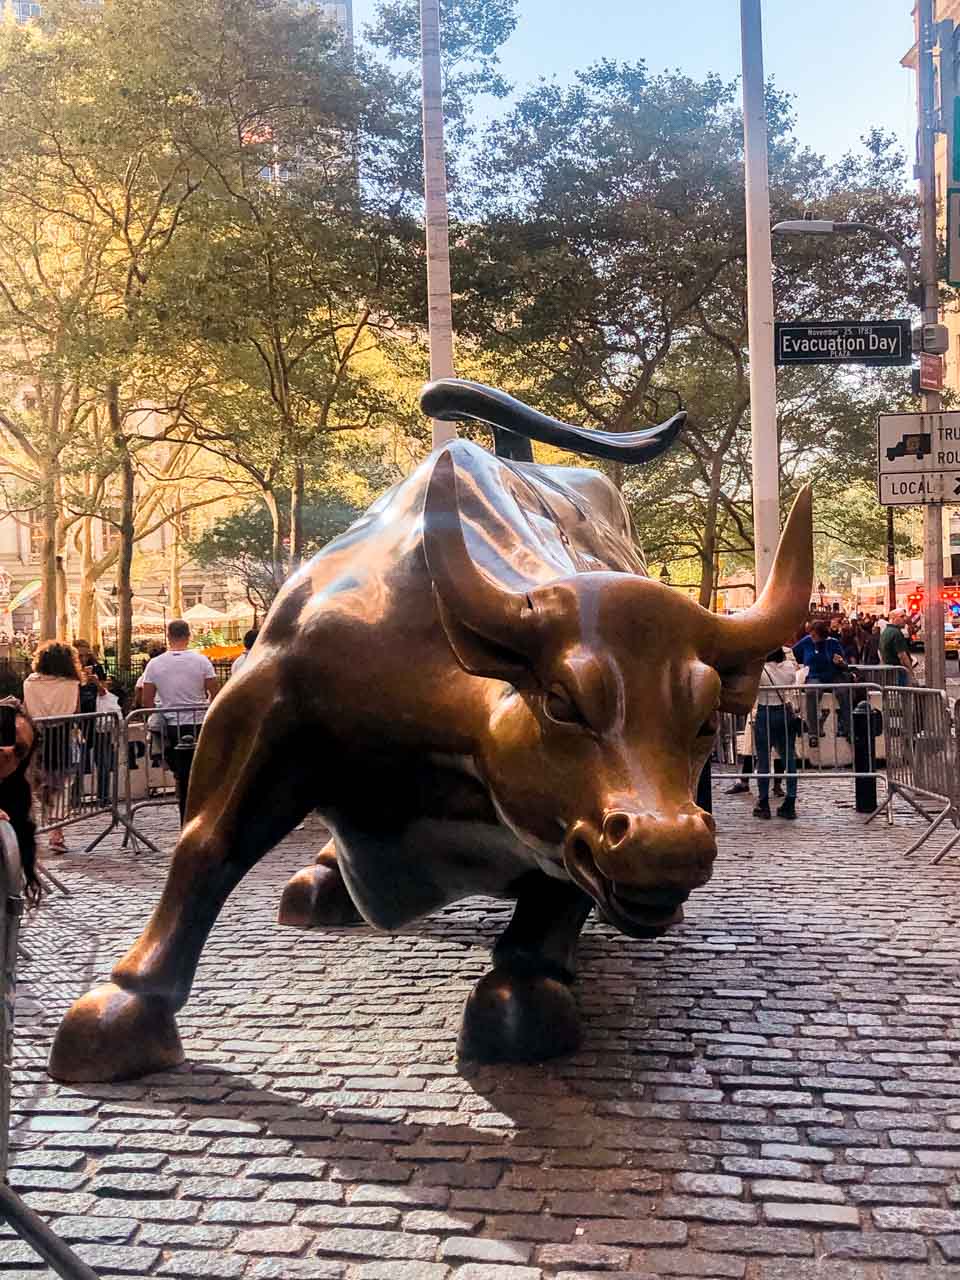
(923, 761)
(27, 1224)
(78, 773)
(806, 731)
(157, 758)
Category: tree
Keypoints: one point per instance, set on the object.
(122, 123)
(605, 261)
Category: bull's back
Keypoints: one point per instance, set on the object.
(526, 524)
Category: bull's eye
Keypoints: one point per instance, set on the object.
(709, 726)
(561, 708)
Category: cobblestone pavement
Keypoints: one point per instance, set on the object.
(770, 1093)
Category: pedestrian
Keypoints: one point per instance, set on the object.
(822, 655)
(894, 647)
(16, 796)
(182, 681)
(870, 655)
(104, 738)
(249, 640)
(775, 726)
(53, 690)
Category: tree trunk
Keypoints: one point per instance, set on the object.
(63, 605)
(276, 539)
(87, 606)
(176, 566)
(48, 555)
(439, 306)
(709, 558)
(296, 516)
(125, 556)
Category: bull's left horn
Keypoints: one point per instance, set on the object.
(785, 600)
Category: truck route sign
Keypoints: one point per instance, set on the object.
(873, 342)
(918, 458)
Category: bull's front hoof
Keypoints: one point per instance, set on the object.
(113, 1034)
(512, 1018)
(316, 897)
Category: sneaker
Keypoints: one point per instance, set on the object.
(788, 809)
(737, 789)
(761, 810)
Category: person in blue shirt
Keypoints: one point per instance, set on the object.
(822, 655)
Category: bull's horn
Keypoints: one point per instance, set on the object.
(474, 600)
(785, 600)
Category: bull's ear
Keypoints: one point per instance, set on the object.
(493, 632)
(482, 657)
(739, 688)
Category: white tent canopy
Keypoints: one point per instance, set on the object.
(203, 613)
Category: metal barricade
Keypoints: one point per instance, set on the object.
(881, 674)
(77, 773)
(158, 753)
(808, 728)
(922, 759)
(27, 1224)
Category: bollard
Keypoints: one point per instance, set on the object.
(867, 723)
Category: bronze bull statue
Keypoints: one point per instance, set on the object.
(482, 692)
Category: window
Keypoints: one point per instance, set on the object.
(24, 10)
(36, 535)
(109, 533)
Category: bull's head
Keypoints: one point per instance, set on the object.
(612, 685)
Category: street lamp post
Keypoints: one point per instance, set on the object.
(827, 227)
(162, 597)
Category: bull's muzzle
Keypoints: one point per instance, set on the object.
(641, 867)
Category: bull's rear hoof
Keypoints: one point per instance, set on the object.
(316, 897)
(511, 1018)
(113, 1034)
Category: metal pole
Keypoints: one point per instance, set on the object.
(891, 565)
(763, 384)
(935, 660)
(439, 308)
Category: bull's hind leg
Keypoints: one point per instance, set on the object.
(523, 1010)
(252, 783)
(317, 895)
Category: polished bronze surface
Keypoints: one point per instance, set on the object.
(482, 692)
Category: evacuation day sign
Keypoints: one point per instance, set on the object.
(870, 342)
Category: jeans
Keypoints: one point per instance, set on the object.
(105, 758)
(771, 729)
(815, 711)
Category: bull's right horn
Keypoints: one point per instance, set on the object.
(784, 602)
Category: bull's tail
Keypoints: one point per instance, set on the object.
(515, 424)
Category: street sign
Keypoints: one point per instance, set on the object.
(919, 488)
(953, 236)
(918, 458)
(871, 342)
(931, 373)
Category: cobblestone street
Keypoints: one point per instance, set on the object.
(772, 1092)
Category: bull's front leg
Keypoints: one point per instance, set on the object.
(524, 1010)
(252, 783)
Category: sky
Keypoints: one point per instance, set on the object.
(840, 58)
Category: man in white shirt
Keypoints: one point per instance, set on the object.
(181, 677)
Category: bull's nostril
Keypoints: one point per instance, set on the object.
(616, 827)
